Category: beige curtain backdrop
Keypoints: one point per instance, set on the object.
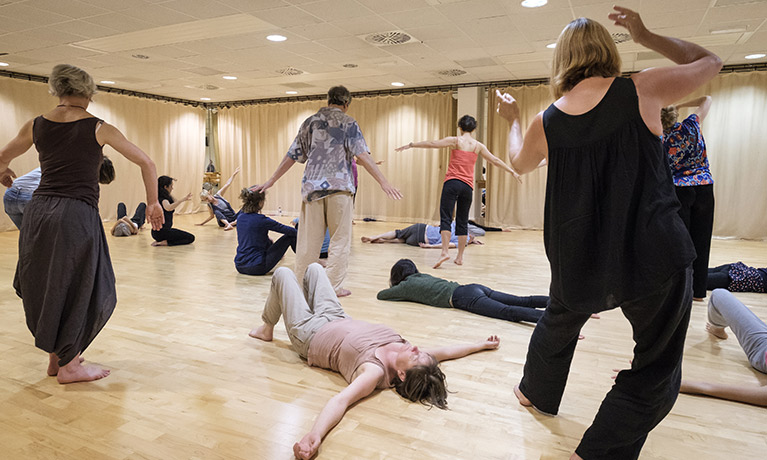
(735, 133)
(507, 202)
(173, 135)
(257, 138)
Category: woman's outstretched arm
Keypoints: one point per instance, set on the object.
(751, 394)
(18, 145)
(451, 141)
(464, 349)
(363, 385)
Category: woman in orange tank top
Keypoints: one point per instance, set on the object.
(459, 182)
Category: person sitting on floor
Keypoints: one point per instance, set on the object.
(369, 356)
(256, 254)
(219, 207)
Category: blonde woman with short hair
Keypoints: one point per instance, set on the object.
(611, 228)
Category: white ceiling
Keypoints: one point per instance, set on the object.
(192, 44)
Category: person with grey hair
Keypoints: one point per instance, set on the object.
(128, 227)
(64, 274)
(328, 142)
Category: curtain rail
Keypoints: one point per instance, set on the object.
(758, 67)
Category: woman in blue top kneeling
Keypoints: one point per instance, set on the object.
(256, 254)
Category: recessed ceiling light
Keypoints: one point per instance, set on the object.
(276, 38)
(397, 83)
(756, 56)
(204, 98)
(533, 3)
(291, 92)
(3, 64)
(107, 82)
(229, 77)
(551, 45)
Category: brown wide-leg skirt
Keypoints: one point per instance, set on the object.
(64, 275)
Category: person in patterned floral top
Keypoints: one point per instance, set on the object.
(737, 277)
(688, 161)
(328, 142)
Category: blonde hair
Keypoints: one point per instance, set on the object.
(668, 117)
(68, 80)
(584, 49)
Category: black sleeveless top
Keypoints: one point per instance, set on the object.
(70, 158)
(611, 227)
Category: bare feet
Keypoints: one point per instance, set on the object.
(53, 364)
(442, 259)
(522, 399)
(366, 239)
(716, 331)
(159, 243)
(343, 293)
(74, 371)
(698, 299)
(263, 332)
(458, 261)
(228, 227)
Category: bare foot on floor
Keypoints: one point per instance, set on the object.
(343, 293)
(228, 227)
(366, 239)
(442, 260)
(53, 364)
(458, 261)
(159, 243)
(522, 399)
(79, 373)
(716, 331)
(263, 332)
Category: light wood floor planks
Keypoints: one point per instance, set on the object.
(188, 383)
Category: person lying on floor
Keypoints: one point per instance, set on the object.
(407, 283)
(369, 356)
(423, 235)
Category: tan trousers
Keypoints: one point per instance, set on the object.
(304, 311)
(334, 212)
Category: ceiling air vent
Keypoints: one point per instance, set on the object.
(288, 71)
(394, 37)
(208, 87)
(350, 66)
(620, 37)
(451, 72)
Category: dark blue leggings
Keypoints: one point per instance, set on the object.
(482, 300)
(273, 256)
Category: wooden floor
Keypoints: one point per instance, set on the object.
(188, 383)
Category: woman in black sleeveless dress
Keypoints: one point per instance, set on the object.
(64, 274)
(611, 229)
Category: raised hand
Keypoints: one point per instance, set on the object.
(506, 106)
(630, 20)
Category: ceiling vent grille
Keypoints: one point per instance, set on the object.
(620, 37)
(289, 71)
(394, 37)
(451, 72)
(208, 87)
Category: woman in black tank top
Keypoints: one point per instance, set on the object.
(611, 229)
(64, 274)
